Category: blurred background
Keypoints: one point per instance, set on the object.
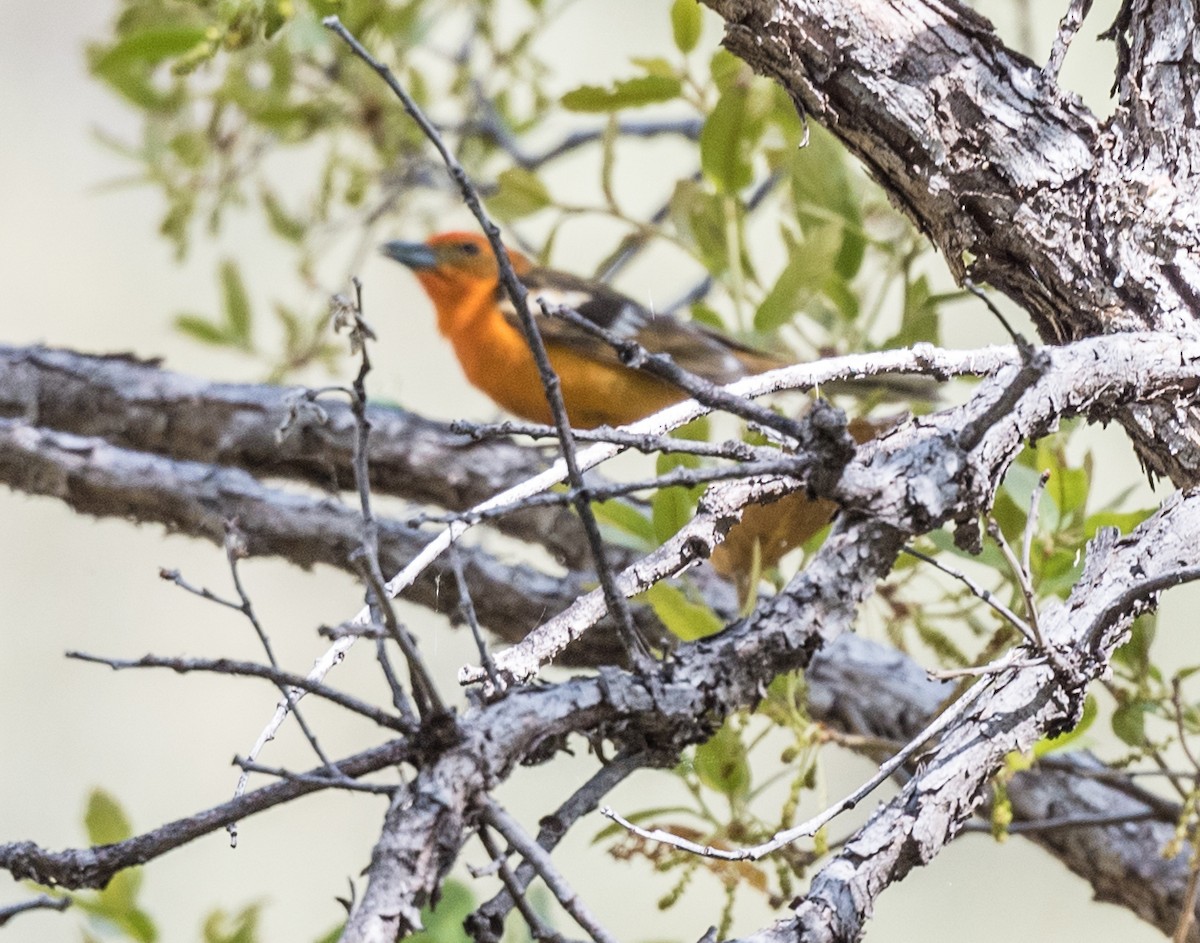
(82, 266)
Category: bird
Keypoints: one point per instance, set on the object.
(460, 274)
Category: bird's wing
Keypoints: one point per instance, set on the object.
(694, 348)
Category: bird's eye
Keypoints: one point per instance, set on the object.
(470, 248)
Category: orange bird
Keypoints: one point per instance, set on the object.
(459, 273)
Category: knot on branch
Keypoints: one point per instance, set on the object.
(827, 436)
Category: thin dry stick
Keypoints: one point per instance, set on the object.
(538, 928)
(41, 902)
(1067, 28)
(466, 606)
(976, 590)
(554, 827)
(250, 669)
(1023, 581)
(537, 856)
(731, 449)
(1031, 519)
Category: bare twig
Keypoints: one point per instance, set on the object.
(250, 669)
(980, 592)
(466, 606)
(1023, 578)
(95, 867)
(1031, 520)
(538, 928)
(1067, 28)
(487, 923)
(41, 902)
(539, 858)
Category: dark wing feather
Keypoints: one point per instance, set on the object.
(694, 348)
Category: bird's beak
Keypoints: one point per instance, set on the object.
(416, 255)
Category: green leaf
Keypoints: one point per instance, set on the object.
(920, 321)
(721, 763)
(656, 65)
(1134, 655)
(116, 905)
(727, 141)
(151, 45)
(105, 820)
(444, 922)
(726, 69)
(685, 619)
(686, 23)
(283, 223)
(624, 517)
(809, 267)
(235, 304)
(671, 508)
(1019, 483)
(1129, 721)
(333, 935)
(241, 927)
(128, 65)
(990, 557)
(519, 193)
(707, 316)
(201, 329)
(699, 215)
(625, 93)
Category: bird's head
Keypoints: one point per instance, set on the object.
(452, 257)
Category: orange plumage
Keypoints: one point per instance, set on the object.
(460, 274)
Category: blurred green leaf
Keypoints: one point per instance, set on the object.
(283, 223)
(519, 193)
(1129, 721)
(151, 45)
(699, 214)
(721, 763)
(242, 927)
(1134, 655)
(687, 21)
(105, 820)
(625, 93)
(235, 305)
(333, 935)
(809, 267)
(201, 329)
(1124, 522)
(726, 69)
(671, 508)
(727, 141)
(106, 823)
(683, 618)
(627, 519)
(919, 321)
(444, 922)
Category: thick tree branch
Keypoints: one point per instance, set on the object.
(94, 477)
(1122, 578)
(1092, 230)
(140, 406)
(861, 687)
